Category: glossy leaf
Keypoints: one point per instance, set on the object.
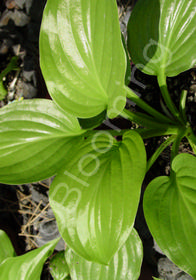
(125, 265)
(170, 211)
(28, 266)
(96, 195)
(6, 248)
(164, 40)
(94, 122)
(35, 138)
(58, 266)
(82, 57)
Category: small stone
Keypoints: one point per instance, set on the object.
(5, 45)
(183, 276)
(30, 76)
(48, 231)
(169, 271)
(26, 90)
(28, 5)
(10, 4)
(5, 17)
(157, 248)
(20, 18)
(37, 197)
(193, 88)
(20, 3)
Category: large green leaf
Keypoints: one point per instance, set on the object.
(35, 138)
(170, 210)
(28, 266)
(161, 36)
(96, 195)
(6, 248)
(125, 265)
(82, 57)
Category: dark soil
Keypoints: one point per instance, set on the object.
(10, 219)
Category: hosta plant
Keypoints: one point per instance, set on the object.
(99, 173)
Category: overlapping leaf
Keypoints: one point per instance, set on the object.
(95, 197)
(6, 248)
(165, 37)
(35, 139)
(28, 266)
(58, 266)
(170, 210)
(125, 265)
(82, 57)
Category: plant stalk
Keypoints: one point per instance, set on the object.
(143, 120)
(167, 98)
(143, 105)
(160, 149)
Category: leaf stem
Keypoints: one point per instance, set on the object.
(160, 149)
(149, 133)
(167, 98)
(182, 105)
(143, 105)
(192, 139)
(143, 120)
(176, 144)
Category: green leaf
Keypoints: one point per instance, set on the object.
(58, 266)
(170, 211)
(6, 248)
(28, 266)
(96, 195)
(128, 70)
(192, 141)
(35, 138)
(125, 265)
(93, 122)
(3, 91)
(82, 56)
(12, 65)
(161, 36)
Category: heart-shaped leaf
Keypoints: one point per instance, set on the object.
(28, 266)
(82, 57)
(170, 210)
(35, 138)
(96, 195)
(6, 248)
(125, 265)
(164, 40)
